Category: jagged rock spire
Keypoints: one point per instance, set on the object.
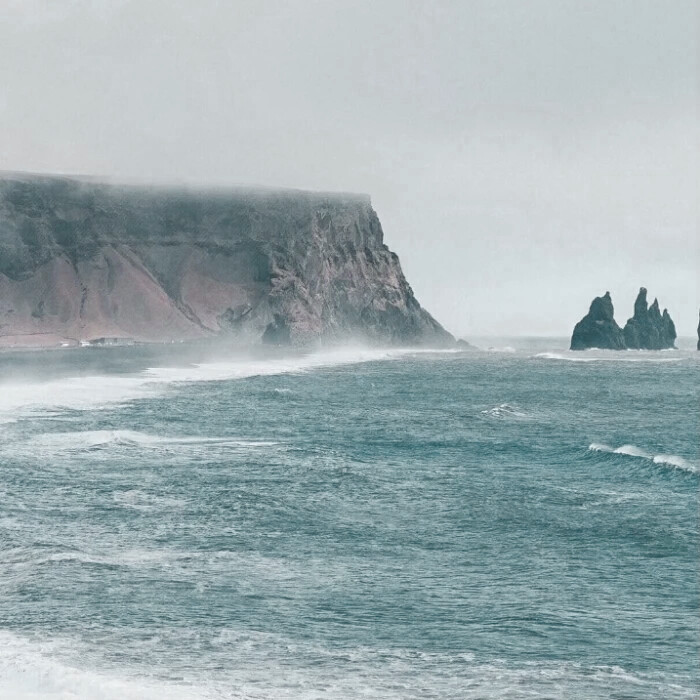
(649, 329)
(598, 329)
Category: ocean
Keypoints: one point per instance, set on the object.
(513, 522)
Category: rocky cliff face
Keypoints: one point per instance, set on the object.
(649, 329)
(598, 328)
(80, 260)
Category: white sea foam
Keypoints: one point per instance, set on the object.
(595, 355)
(272, 666)
(77, 393)
(219, 371)
(674, 461)
(632, 451)
(36, 671)
(92, 439)
(504, 410)
(51, 398)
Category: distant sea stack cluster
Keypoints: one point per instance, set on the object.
(647, 329)
(82, 260)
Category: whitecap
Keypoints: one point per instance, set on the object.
(560, 356)
(268, 665)
(604, 356)
(51, 398)
(74, 393)
(243, 369)
(36, 670)
(632, 451)
(97, 439)
(598, 447)
(674, 461)
(505, 410)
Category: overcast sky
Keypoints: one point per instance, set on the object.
(523, 156)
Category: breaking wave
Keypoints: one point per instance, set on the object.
(96, 439)
(505, 410)
(48, 399)
(602, 356)
(31, 669)
(674, 461)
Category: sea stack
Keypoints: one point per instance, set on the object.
(698, 330)
(598, 328)
(81, 260)
(649, 329)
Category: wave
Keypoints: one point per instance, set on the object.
(190, 562)
(674, 461)
(221, 371)
(51, 398)
(32, 669)
(96, 439)
(613, 356)
(505, 410)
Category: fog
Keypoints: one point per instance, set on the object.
(523, 157)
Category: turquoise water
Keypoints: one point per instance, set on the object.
(358, 523)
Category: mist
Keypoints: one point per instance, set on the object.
(522, 158)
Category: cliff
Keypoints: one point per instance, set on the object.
(649, 329)
(598, 328)
(81, 260)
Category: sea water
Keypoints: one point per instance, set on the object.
(519, 522)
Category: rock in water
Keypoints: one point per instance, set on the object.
(598, 328)
(649, 329)
(82, 260)
(698, 330)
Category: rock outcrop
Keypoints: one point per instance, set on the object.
(81, 260)
(698, 330)
(598, 328)
(649, 329)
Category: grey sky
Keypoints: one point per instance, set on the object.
(523, 156)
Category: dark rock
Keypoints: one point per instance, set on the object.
(598, 328)
(649, 329)
(699, 331)
(81, 260)
(277, 332)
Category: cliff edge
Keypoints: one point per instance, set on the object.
(81, 260)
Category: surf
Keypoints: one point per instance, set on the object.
(666, 460)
